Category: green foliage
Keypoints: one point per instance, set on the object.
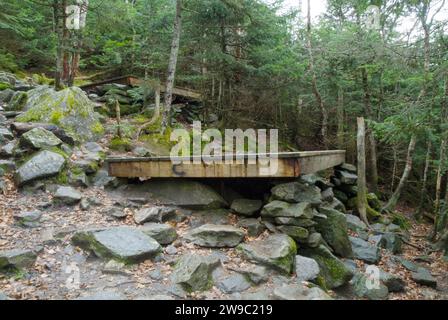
(121, 144)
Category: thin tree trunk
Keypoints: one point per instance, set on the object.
(316, 92)
(166, 121)
(370, 135)
(418, 213)
(118, 114)
(439, 176)
(394, 170)
(155, 117)
(59, 49)
(362, 188)
(390, 206)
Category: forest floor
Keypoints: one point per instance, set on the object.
(51, 276)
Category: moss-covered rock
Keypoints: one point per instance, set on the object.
(374, 202)
(69, 109)
(17, 102)
(335, 232)
(333, 272)
(278, 252)
(121, 144)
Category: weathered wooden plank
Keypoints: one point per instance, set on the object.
(290, 165)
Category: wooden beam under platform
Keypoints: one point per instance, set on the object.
(290, 165)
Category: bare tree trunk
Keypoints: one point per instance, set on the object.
(418, 213)
(316, 92)
(390, 206)
(370, 135)
(439, 176)
(394, 170)
(362, 188)
(166, 121)
(118, 113)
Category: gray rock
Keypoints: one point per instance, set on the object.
(233, 283)
(333, 272)
(17, 101)
(354, 223)
(84, 205)
(347, 167)
(28, 219)
(281, 209)
(297, 233)
(142, 152)
(298, 222)
(78, 179)
(76, 114)
(171, 250)
(179, 192)
(216, 236)
(315, 239)
(253, 226)
(39, 138)
(335, 232)
(393, 282)
(327, 195)
(67, 195)
(102, 180)
(104, 296)
(424, 277)
(42, 165)
(392, 242)
(246, 207)
(17, 258)
(365, 251)
(124, 244)
(363, 288)
(351, 264)
(277, 252)
(115, 212)
(255, 274)
(347, 177)
(157, 297)
(341, 196)
(8, 149)
(154, 214)
(156, 275)
(300, 292)
(411, 266)
(307, 269)
(6, 95)
(296, 192)
(162, 233)
(213, 216)
(261, 295)
(115, 268)
(194, 273)
(3, 297)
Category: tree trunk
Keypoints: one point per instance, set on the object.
(370, 135)
(418, 213)
(390, 206)
(316, 92)
(166, 121)
(362, 188)
(439, 176)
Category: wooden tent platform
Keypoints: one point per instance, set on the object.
(290, 165)
(130, 80)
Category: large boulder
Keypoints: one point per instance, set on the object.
(277, 251)
(69, 109)
(194, 272)
(182, 193)
(296, 192)
(333, 272)
(44, 164)
(365, 251)
(335, 232)
(17, 259)
(216, 236)
(365, 288)
(281, 209)
(124, 244)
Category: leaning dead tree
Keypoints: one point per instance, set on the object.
(362, 188)
(166, 119)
